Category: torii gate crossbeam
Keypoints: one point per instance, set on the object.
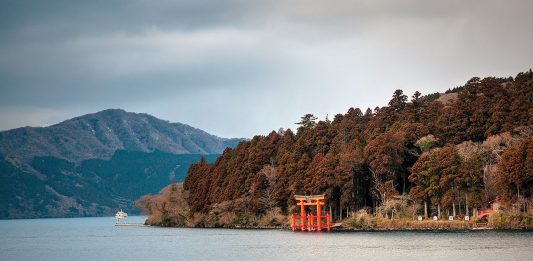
(313, 200)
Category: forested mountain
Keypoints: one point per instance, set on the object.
(94, 187)
(471, 145)
(97, 163)
(99, 135)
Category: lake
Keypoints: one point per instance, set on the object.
(99, 239)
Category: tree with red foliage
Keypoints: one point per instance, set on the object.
(515, 177)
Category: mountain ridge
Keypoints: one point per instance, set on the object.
(98, 135)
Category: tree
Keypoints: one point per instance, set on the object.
(449, 164)
(382, 190)
(415, 106)
(307, 121)
(436, 176)
(515, 176)
(267, 180)
(426, 143)
(398, 101)
(425, 177)
(385, 156)
(471, 170)
(168, 208)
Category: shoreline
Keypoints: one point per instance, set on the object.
(353, 230)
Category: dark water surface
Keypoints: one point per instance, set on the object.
(98, 239)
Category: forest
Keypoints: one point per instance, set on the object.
(453, 152)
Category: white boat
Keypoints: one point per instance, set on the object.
(121, 215)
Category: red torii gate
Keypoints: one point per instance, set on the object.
(314, 200)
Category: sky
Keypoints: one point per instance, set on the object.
(242, 68)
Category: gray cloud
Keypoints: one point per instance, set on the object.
(238, 68)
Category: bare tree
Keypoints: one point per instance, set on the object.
(381, 190)
(267, 200)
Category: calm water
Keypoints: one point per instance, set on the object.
(98, 239)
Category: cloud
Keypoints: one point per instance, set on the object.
(257, 65)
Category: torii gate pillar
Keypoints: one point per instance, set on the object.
(311, 225)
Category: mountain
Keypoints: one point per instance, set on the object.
(99, 135)
(97, 163)
(94, 187)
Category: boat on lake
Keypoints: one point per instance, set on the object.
(121, 215)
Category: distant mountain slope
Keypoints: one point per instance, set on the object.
(99, 135)
(92, 188)
(94, 164)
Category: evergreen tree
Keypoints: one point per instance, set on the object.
(307, 121)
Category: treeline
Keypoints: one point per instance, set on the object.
(465, 147)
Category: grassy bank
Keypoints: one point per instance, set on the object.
(510, 220)
(359, 222)
(500, 220)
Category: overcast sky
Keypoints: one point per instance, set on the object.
(240, 68)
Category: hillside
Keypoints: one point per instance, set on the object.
(99, 135)
(93, 188)
(94, 164)
(466, 149)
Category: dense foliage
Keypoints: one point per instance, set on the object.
(464, 147)
(58, 188)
